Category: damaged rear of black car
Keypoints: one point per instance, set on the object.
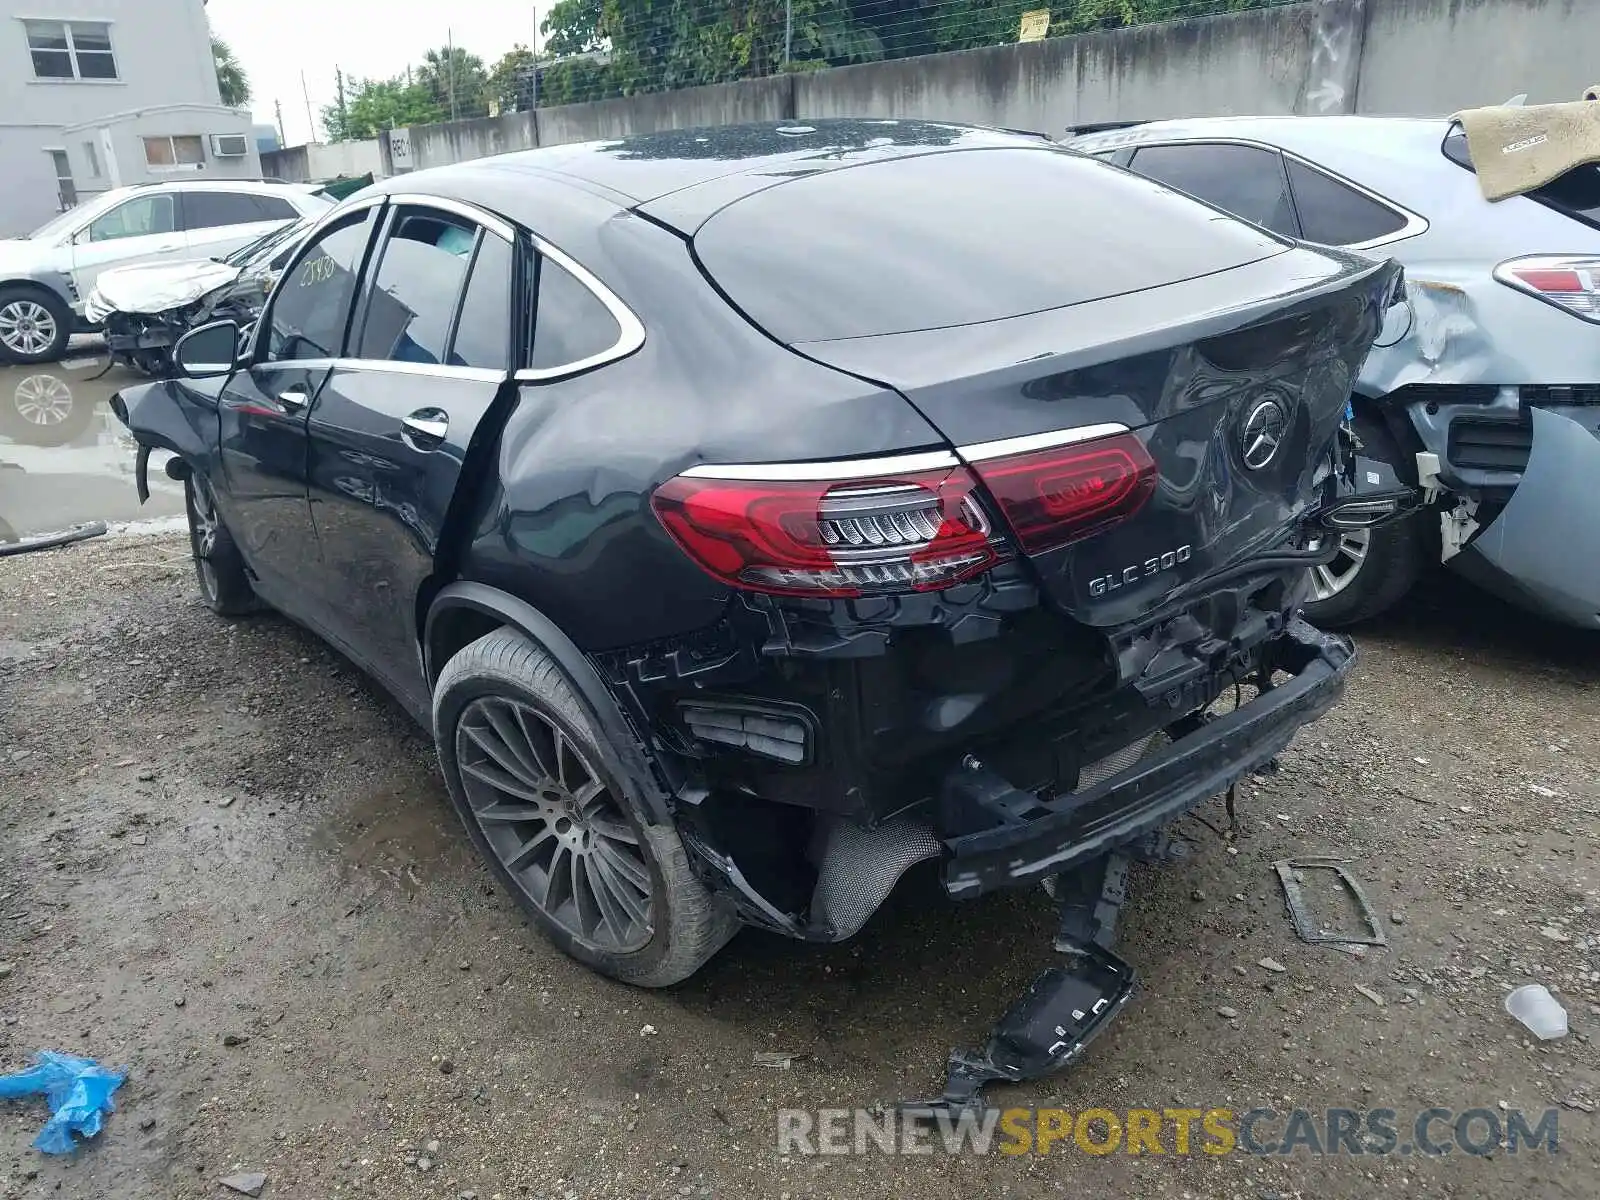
(849, 496)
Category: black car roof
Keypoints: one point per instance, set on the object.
(681, 176)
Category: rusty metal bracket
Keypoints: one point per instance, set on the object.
(1304, 925)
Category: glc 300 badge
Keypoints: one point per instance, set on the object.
(1105, 584)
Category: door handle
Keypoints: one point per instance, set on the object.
(294, 399)
(168, 247)
(426, 428)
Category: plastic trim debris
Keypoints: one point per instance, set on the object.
(1304, 926)
(78, 1091)
(49, 541)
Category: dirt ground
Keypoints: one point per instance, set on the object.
(228, 864)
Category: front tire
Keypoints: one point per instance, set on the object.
(540, 793)
(35, 324)
(1375, 568)
(218, 565)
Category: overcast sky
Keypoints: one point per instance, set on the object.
(371, 38)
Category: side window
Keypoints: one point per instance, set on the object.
(208, 210)
(138, 217)
(417, 286)
(484, 327)
(570, 323)
(1334, 214)
(275, 208)
(312, 304)
(1243, 180)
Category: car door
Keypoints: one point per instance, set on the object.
(263, 411)
(393, 425)
(216, 223)
(143, 228)
(1247, 181)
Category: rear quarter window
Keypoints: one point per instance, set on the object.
(959, 238)
(1335, 214)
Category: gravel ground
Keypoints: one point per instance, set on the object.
(228, 863)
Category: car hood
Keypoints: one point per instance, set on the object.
(156, 287)
(21, 255)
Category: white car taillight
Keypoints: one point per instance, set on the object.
(1567, 281)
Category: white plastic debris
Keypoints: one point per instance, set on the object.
(1535, 1007)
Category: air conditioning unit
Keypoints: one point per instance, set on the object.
(229, 145)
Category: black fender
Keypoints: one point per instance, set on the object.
(159, 420)
(598, 699)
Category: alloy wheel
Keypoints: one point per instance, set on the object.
(554, 823)
(43, 400)
(26, 327)
(203, 536)
(1329, 579)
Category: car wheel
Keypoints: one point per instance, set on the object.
(541, 795)
(218, 565)
(1374, 568)
(34, 325)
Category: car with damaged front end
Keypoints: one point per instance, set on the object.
(144, 309)
(751, 515)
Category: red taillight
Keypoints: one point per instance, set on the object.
(918, 531)
(1066, 493)
(1569, 282)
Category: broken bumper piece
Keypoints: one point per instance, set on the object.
(1051, 837)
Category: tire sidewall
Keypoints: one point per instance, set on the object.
(59, 310)
(449, 705)
(191, 486)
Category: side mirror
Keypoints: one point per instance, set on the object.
(208, 352)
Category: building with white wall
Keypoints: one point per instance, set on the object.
(96, 94)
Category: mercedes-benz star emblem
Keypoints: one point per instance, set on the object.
(1263, 433)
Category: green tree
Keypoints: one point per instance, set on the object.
(232, 82)
(457, 82)
(575, 81)
(511, 80)
(572, 27)
(375, 104)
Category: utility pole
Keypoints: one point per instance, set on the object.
(277, 107)
(535, 101)
(788, 29)
(311, 125)
(450, 58)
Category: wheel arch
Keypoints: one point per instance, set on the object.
(463, 611)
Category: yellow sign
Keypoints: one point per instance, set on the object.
(1035, 25)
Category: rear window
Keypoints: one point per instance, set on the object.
(1577, 193)
(959, 238)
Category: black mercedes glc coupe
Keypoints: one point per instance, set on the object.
(752, 513)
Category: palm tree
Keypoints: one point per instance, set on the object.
(231, 79)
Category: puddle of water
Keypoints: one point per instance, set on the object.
(64, 457)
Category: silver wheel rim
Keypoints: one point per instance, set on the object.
(553, 823)
(43, 400)
(26, 327)
(203, 522)
(1329, 579)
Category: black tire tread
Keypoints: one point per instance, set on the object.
(696, 925)
(235, 597)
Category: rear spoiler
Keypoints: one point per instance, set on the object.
(1084, 130)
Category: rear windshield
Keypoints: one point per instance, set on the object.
(1577, 193)
(959, 238)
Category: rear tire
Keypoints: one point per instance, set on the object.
(538, 790)
(1392, 557)
(218, 565)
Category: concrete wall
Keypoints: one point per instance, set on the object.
(316, 161)
(1311, 57)
(719, 104)
(1440, 56)
(163, 56)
